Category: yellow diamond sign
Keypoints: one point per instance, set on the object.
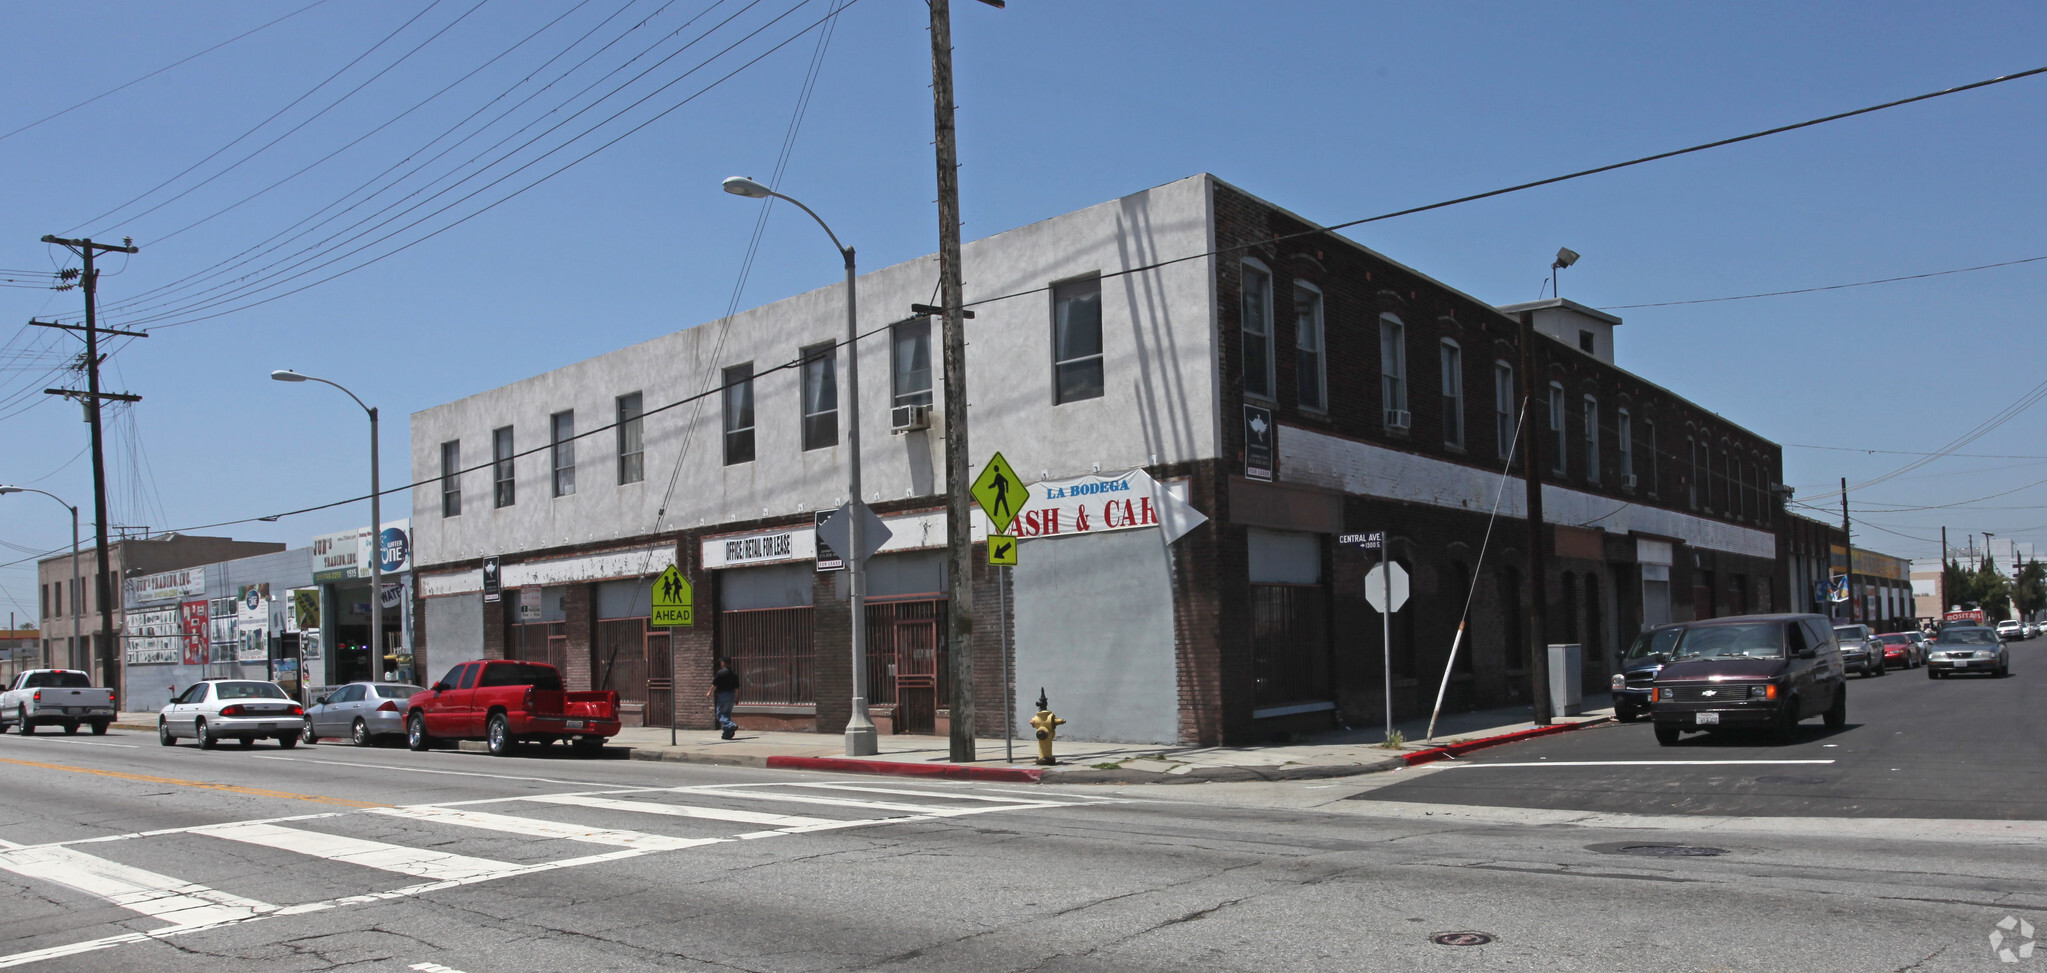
(675, 602)
(999, 492)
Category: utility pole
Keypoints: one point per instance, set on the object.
(103, 583)
(1538, 556)
(1848, 543)
(1944, 603)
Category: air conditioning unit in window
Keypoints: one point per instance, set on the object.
(904, 418)
(1398, 419)
(1628, 481)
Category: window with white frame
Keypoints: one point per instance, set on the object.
(1393, 370)
(1503, 408)
(1624, 442)
(738, 400)
(1556, 428)
(1453, 394)
(1077, 340)
(632, 455)
(562, 429)
(1591, 440)
(820, 397)
(504, 488)
(451, 483)
(1257, 326)
(1309, 370)
(910, 361)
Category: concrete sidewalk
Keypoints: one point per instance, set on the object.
(1335, 754)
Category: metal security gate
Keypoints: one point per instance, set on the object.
(660, 680)
(906, 662)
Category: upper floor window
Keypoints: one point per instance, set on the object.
(1591, 440)
(1309, 371)
(1257, 330)
(910, 361)
(1393, 371)
(1503, 408)
(1692, 472)
(1077, 340)
(1624, 442)
(1453, 394)
(451, 484)
(632, 454)
(1556, 427)
(820, 397)
(739, 414)
(503, 486)
(562, 447)
(1649, 447)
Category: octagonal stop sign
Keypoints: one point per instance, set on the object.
(1376, 583)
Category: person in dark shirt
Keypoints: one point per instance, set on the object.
(725, 691)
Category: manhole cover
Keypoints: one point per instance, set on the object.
(1461, 938)
(1790, 779)
(1675, 851)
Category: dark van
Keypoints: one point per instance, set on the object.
(1748, 671)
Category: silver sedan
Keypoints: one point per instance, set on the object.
(360, 711)
(1967, 649)
(231, 709)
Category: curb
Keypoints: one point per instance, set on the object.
(1223, 775)
(1460, 749)
(848, 765)
(689, 757)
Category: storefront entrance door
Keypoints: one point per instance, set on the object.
(915, 644)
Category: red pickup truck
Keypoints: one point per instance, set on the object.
(505, 703)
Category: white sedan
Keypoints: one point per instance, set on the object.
(231, 709)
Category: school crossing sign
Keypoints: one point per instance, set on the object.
(674, 601)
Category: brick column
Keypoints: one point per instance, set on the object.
(580, 625)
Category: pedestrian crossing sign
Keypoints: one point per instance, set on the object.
(999, 492)
(1002, 550)
(674, 601)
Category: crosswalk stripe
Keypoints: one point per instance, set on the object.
(906, 792)
(159, 896)
(678, 810)
(440, 866)
(536, 828)
(925, 809)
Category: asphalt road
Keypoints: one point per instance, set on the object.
(118, 854)
(1963, 747)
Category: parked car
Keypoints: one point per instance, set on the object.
(506, 703)
(1860, 651)
(360, 711)
(2028, 630)
(1901, 650)
(2010, 629)
(1967, 649)
(231, 709)
(55, 697)
(1755, 671)
(1639, 666)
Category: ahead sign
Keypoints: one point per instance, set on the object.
(1376, 583)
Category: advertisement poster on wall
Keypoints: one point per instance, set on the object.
(154, 636)
(252, 624)
(193, 616)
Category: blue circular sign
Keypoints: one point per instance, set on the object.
(393, 549)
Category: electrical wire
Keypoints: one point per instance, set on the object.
(1829, 287)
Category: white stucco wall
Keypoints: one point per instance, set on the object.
(1158, 405)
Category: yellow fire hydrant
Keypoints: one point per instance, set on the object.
(1047, 726)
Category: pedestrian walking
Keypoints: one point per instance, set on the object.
(725, 691)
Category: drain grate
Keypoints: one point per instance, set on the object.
(1461, 938)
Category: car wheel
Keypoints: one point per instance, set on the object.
(1786, 730)
(497, 736)
(21, 724)
(163, 733)
(307, 735)
(1666, 735)
(1933, 673)
(286, 741)
(207, 741)
(415, 733)
(2004, 670)
(99, 728)
(1837, 714)
(359, 734)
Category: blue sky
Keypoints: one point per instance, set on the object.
(1337, 110)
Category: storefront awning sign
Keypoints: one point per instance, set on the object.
(1094, 504)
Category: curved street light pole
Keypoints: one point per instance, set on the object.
(376, 526)
(861, 737)
(76, 598)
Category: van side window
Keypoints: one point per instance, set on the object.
(1797, 640)
(1822, 635)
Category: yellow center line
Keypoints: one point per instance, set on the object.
(230, 788)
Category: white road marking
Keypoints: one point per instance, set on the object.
(84, 743)
(1633, 763)
(159, 896)
(443, 773)
(676, 810)
(417, 862)
(944, 812)
(536, 828)
(906, 792)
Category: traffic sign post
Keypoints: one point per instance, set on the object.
(1386, 591)
(673, 600)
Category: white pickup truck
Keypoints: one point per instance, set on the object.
(55, 697)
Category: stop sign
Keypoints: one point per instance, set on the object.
(1376, 583)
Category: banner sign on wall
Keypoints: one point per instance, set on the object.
(252, 625)
(192, 617)
(168, 586)
(305, 609)
(155, 636)
(1095, 504)
(1258, 436)
(334, 556)
(345, 555)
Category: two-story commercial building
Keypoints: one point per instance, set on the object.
(1189, 344)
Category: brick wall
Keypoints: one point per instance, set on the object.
(579, 624)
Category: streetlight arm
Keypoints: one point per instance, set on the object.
(287, 375)
(793, 201)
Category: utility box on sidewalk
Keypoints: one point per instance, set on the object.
(1566, 672)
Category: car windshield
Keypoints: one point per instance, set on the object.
(1760, 640)
(388, 691)
(1894, 639)
(247, 690)
(1967, 636)
(1654, 645)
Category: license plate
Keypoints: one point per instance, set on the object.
(575, 724)
(1708, 719)
(266, 726)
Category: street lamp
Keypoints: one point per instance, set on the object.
(75, 596)
(376, 523)
(861, 740)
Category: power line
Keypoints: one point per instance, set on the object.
(1831, 287)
